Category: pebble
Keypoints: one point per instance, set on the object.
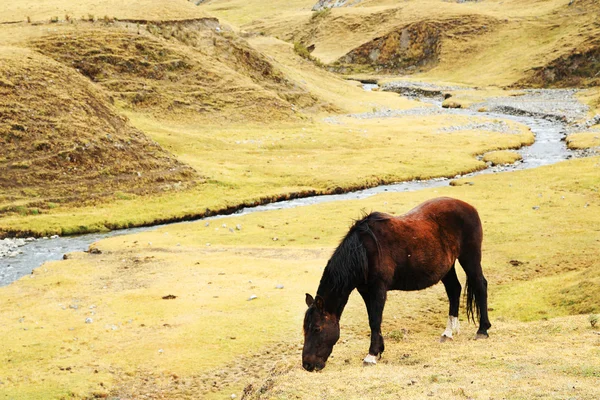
(10, 247)
(88, 320)
(279, 287)
(253, 297)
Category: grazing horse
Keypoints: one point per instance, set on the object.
(410, 252)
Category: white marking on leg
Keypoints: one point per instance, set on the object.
(370, 360)
(453, 326)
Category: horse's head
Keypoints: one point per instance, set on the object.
(321, 332)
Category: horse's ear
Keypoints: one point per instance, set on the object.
(319, 303)
(309, 300)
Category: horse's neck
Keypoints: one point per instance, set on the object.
(334, 300)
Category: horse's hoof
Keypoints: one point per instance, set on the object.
(445, 338)
(370, 360)
(481, 336)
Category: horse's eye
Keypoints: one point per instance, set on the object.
(316, 329)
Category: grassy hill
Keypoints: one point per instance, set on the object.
(61, 141)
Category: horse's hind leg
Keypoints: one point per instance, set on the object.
(453, 289)
(477, 288)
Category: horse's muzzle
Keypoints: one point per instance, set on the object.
(310, 367)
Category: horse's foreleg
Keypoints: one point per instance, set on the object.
(453, 289)
(374, 298)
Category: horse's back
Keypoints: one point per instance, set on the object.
(419, 247)
(453, 216)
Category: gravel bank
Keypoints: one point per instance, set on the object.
(554, 104)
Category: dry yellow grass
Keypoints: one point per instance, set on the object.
(43, 11)
(584, 140)
(513, 364)
(501, 157)
(345, 95)
(498, 45)
(540, 264)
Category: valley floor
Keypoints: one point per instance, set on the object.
(115, 115)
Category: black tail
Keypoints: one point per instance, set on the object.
(470, 293)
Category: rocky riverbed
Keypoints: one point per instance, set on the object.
(10, 247)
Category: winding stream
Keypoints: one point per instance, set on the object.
(548, 148)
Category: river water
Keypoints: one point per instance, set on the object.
(549, 148)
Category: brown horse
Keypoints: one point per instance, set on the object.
(410, 252)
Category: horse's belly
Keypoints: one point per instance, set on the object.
(420, 275)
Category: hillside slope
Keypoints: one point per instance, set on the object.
(62, 141)
(169, 69)
(476, 43)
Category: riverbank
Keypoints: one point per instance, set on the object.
(279, 156)
(254, 165)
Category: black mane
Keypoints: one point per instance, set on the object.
(349, 263)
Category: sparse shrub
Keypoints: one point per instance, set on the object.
(320, 14)
(28, 19)
(53, 20)
(90, 17)
(67, 18)
(303, 52)
(21, 165)
(21, 210)
(41, 145)
(593, 320)
(123, 196)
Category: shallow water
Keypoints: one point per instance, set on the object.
(549, 148)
